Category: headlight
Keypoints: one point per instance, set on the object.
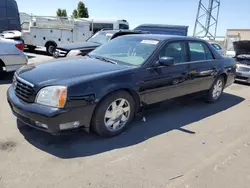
(74, 53)
(54, 96)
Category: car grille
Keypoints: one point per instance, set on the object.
(23, 89)
(244, 69)
(60, 53)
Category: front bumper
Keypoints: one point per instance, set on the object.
(30, 113)
(243, 74)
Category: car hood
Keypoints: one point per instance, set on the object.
(78, 45)
(68, 70)
(242, 47)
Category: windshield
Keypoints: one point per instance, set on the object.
(130, 50)
(100, 37)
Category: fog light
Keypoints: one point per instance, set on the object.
(70, 125)
(39, 124)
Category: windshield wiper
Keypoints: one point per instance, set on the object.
(106, 60)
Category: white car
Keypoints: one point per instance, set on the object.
(11, 55)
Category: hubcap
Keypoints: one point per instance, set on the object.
(51, 49)
(218, 87)
(117, 114)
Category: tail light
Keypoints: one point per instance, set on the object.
(20, 46)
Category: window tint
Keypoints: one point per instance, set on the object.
(216, 46)
(197, 51)
(209, 54)
(175, 50)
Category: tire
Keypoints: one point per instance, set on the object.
(212, 97)
(50, 48)
(31, 48)
(107, 124)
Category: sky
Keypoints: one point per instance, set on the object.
(233, 13)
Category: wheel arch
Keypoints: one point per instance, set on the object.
(130, 91)
(224, 75)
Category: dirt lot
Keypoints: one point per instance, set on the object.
(189, 145)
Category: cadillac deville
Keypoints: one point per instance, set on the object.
(105, 89)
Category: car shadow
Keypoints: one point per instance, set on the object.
(242, 83)
(158, 120)
(7, 78)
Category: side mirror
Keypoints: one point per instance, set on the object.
(166, 61)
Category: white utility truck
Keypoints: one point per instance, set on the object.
(52, 31)
(97, 24)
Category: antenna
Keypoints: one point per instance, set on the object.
(207, 19)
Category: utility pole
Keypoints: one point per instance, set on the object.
(207, 19)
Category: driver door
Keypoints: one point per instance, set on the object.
(167, 82)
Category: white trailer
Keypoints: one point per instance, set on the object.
(52, 31)
(97, 24)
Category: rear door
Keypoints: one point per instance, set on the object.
(203, 66)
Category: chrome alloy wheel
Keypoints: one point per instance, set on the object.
(217, 90)
(117, 114)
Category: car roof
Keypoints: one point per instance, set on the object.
(164, 37)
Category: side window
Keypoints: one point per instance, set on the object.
(216, 46)
(197, 51)
(209, 54)
(175, 50)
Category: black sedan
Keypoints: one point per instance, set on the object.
(98, 39)
(104, 90)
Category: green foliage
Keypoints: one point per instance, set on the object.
(82, 11)
(75, 14)
(61, 13)
(64, 13)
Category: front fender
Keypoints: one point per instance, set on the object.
(114, 87)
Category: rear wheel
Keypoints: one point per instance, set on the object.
(216, 90)
(113, 114)
(31, 48)
(50, 48)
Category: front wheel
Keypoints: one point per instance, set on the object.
(113, 114)
(216, 90)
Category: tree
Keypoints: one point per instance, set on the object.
(82, 11)
(75, 14)
(61, 13)
(64, 13)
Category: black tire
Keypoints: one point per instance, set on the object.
(210, 97)
(50, 48)
(98, 124)
(31, 48)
